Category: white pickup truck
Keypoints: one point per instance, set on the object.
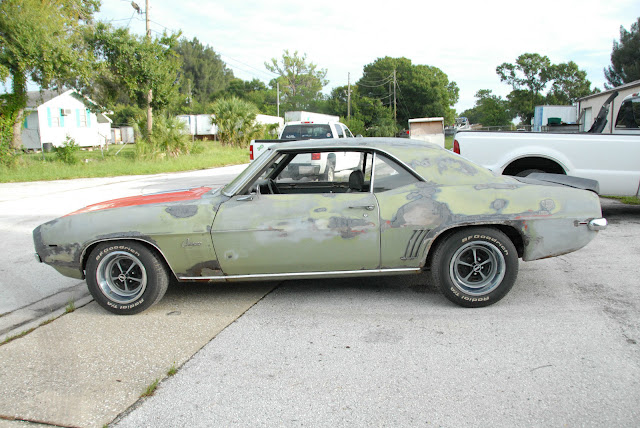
(611, 159)
(322, 166)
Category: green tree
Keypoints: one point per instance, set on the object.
(625, 58)
(41, 40)
(529, 77)
(138, 64)
(254, 91)
(235, 119)
(569, 83)
(203, 72)
(490, 110)
(300, 81)
(531, 73)
(421, 91)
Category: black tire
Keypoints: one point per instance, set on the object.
(126, 277)
(475, 267)
(329, 173)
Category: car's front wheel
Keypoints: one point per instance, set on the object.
(475, 267)
(126, 277)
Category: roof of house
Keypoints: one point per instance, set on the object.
(608, 91)
(36, 98)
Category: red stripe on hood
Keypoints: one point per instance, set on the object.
(159, 198)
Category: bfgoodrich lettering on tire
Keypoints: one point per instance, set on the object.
(126, 277)
(475, 267)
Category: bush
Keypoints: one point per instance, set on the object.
(235, 119)
(67, 153)
(169, 137)
(7, 153)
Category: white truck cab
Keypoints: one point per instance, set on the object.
(317, 165)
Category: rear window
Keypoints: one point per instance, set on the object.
(306, 131)
(629, 114)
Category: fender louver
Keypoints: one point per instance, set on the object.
(416, 244)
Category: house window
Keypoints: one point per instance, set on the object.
(55, 121)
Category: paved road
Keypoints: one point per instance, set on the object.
(23, 206)
(562, 349)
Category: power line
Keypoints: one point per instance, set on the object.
(383, 81)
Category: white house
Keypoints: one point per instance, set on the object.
(51, 116)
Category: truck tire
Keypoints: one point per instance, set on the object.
(329, 173)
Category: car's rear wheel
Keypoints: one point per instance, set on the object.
(475, 267)
(126, 277)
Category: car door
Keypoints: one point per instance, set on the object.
(310, 227)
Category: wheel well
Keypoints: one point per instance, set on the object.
(542, 164)
(89, 249)
(511, 232)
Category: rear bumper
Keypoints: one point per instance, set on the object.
(598, 224)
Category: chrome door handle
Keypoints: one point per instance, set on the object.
(246, 198)
(366, 207)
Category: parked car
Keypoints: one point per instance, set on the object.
(404, 207)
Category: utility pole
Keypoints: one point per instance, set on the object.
(278, 97)
(349, 96)
(395, 106)
(150, 94)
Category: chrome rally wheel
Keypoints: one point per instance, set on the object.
(477, 268)
(121, 277)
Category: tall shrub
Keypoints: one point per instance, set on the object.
(169, 136)
(235, 119)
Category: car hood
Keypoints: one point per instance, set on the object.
(155, 198)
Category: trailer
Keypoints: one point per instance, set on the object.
(307, 116)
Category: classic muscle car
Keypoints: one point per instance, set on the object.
(402, 207)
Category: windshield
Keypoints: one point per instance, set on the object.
(307, 130)
(254, 166)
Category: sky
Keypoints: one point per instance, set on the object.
(467, 40)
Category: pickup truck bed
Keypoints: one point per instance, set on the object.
(611, 159)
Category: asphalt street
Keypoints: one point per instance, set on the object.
(562, 349)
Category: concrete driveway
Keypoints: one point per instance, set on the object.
(562, 349)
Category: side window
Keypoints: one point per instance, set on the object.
(339, 131)
(316, 172)
(389, 175)
(629, 115)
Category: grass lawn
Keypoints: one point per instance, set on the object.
(118, 160)
(448, 142)
(629, 200)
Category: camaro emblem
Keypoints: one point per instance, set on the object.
(188, 243)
